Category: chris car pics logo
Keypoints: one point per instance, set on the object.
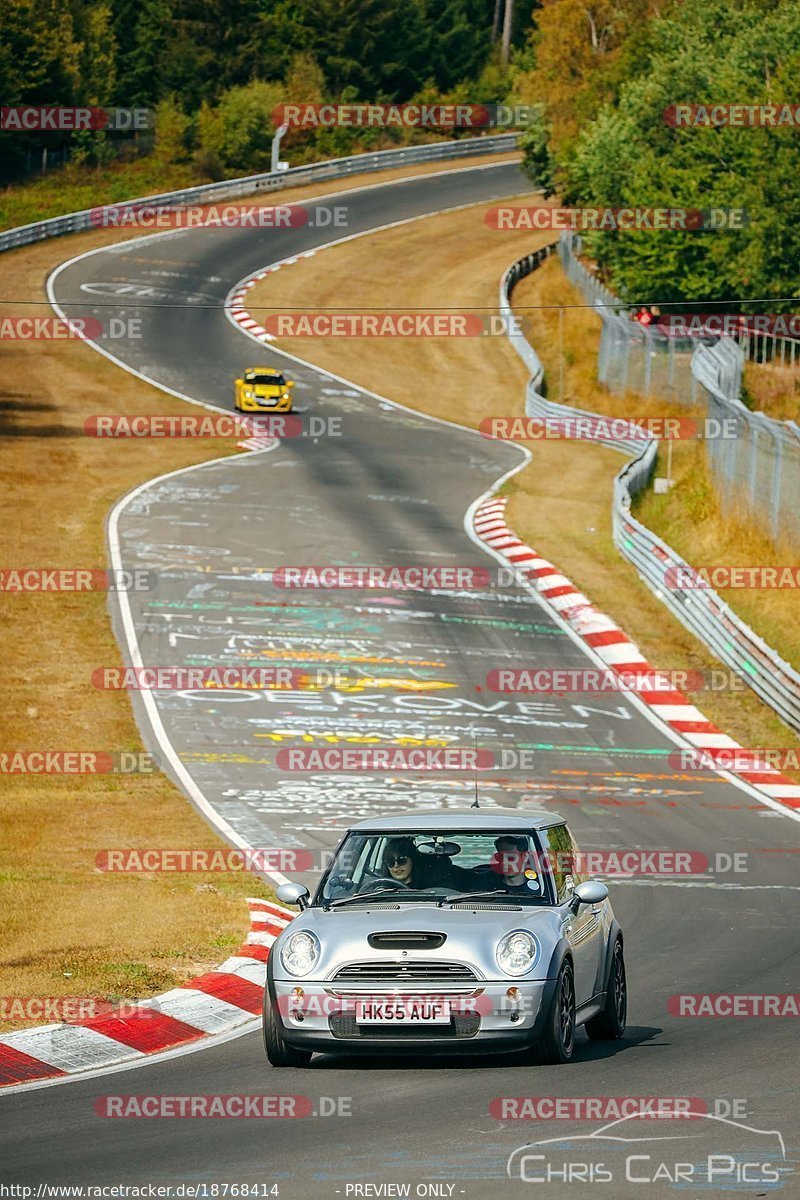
(708, 1152)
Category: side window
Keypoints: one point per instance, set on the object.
(349, 865)
(563, 860)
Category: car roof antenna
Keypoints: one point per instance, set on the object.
(475, 803)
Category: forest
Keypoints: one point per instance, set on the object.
(599, 79)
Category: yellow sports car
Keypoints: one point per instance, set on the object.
(263, 388)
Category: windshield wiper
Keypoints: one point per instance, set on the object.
(478, 896)
(398, 892)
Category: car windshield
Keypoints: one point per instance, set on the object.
(265, 380)
(440, 866)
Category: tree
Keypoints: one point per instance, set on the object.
(239, 130)
(629, 155)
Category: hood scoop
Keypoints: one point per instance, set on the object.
(406, 940)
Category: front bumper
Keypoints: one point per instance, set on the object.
(256, 406)
(484, 1018)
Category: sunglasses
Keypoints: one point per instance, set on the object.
(397, 860)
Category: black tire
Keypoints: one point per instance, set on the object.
(558, 1040)
(278, 1052)
(610, 1023)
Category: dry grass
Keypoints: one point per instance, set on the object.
(774, 390)
(561, 503)
(68, 928)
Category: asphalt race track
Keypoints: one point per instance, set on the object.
(394, 489)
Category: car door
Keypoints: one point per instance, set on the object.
(582, 924)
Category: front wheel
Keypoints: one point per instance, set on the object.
(558, 1041)
(610, 1022)
(279, 1052)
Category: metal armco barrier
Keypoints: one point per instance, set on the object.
(231, 189)
(700, 610)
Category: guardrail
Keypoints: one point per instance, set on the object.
(230, 189)
(700, 610)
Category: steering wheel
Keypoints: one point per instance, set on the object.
(342, 883)
(383, 881)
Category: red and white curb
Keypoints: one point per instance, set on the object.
(618, 652)
(211, 1004)
(237, 309)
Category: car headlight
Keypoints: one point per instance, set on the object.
(517, 952)
(286, 395)
(300, 952)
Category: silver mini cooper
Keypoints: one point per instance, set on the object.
(442, 932)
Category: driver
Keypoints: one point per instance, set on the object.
(402, 862)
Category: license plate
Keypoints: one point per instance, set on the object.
(402, 1012)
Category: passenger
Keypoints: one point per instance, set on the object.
(402, 862)
(511, 862)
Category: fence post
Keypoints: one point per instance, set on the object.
(776, 483)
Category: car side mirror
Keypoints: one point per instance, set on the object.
(590, 892)
(239, 382)
(289, 383)
(293, 893)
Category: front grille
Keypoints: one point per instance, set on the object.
(410, 971)
(462, 1025)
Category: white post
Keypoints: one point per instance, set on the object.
(276, 164)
